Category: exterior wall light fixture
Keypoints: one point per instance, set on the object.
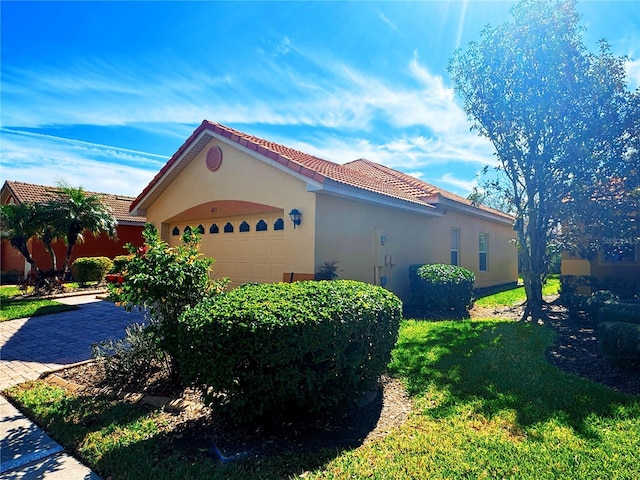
(295, 217)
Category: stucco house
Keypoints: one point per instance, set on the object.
(129, 230)
(270, 213)
(615, 267)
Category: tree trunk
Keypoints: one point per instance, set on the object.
(531, 272)
(67, 257)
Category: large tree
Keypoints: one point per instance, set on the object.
(558, 117)
(81, 212)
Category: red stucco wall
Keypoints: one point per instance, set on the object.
(101, 246)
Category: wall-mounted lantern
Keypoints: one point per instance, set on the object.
(295, 217)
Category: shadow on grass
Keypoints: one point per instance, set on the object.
(13, 309)
(130, 441)
(492, 366)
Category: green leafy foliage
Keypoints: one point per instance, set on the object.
(90, 269)
(275, 348)
(120, 263)
(440, 289)
(620, 312)
(620, 341)
(565, 128)
(164, 281)
(130, 361)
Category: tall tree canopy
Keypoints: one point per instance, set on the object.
(560, 119)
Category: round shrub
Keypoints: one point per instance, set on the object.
(288, 347)
(620, 312)
(120, 263)
(620, 342)
(440, 289)
(90, 269)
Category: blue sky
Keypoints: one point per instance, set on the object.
(101, 94)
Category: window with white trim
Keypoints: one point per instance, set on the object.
(455, 242)
(483, 248)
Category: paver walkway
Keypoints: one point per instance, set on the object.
(32, 346)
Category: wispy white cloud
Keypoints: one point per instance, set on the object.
(44, 159)
(632, 68)
(419, 121)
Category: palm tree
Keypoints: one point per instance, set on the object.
(50, 227)
(20, 223)
(80, 212)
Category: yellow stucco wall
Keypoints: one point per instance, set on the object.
(502, 255)
(332, 228)
(244, 178)
(349, 232)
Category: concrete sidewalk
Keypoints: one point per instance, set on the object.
(32, 346)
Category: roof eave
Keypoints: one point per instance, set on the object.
(470, 209)
(341, 190)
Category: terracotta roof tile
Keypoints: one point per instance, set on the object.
(362, 174)
(29, 192)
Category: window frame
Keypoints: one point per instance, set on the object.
(483, 255)
(455, 250)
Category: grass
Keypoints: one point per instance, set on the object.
(12, 307)
(486, 405)
(516, 296)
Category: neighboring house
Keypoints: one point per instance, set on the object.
(129, 230)
(615, 265)
(243, 193)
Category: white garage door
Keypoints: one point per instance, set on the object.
(246, 249)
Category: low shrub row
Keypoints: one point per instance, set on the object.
(619, 332)
(298, 347)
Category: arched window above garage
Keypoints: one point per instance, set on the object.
(261, 226)
(175, 231)
(228, 228)
(214, 228)
(279, 225)
(244, 227)
(200, 229)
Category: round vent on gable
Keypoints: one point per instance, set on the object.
(214, 158)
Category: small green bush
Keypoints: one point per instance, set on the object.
(120, 263)
(440, 289)
(288, 347)
(579, 305)
(163, 281)
(90, 269)
(131, 361)
(620, 342)
(620, 312)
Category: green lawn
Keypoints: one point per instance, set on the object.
(12, 308)
(517, 296)
(486, 405)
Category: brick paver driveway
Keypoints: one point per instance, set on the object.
(31, 346)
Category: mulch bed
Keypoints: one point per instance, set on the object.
(576, 351)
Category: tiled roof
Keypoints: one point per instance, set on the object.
(29, 192)
(361, 174)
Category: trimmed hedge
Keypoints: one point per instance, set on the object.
(620, 312)
(90, 269)
(288, 347)
(620, 341)
(120, 263)
(440, 288)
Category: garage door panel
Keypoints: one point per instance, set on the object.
(245, 249)
(253, 256)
